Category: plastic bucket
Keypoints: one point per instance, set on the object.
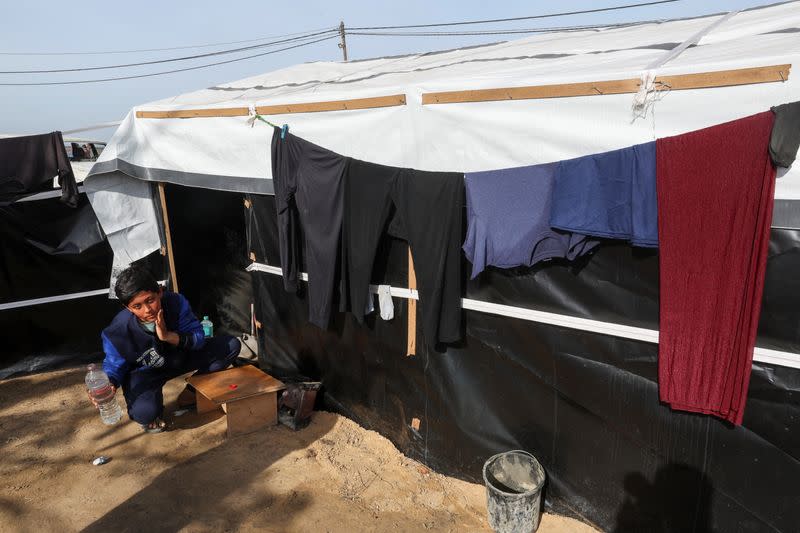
(514, 482)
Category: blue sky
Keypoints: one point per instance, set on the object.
(94, 26)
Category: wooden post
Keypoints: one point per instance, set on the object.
(167, 236)
(412, 308)
(343, 41)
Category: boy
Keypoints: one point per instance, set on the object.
(154, 339)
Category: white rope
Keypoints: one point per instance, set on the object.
(647, 95)
(100, 126)
(762, 355)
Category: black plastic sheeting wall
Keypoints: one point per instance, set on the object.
(209, 246)
(585, 404)
(49, 249)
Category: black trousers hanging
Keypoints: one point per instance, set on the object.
(425, 209)
(308, 195)
(28, 165)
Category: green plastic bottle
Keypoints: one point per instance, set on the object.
(208, 327)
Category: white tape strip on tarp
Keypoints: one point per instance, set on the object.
(61, 298)
(51, 299)
(261, 267)
(44, 195)
(762, 355)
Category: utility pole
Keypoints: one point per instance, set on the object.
(343, 44)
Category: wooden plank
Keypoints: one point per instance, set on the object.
(250, 414)
(334, 105)
(282, 109)
(412, 309)
(234, 384)
(703, 80)
(725, 78)
(204, 405)
(196, 113)
(532, 92)
(168, 235)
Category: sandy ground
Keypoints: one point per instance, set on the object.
(332, 476)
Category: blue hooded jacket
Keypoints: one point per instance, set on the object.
(128, 345)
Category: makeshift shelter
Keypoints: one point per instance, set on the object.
(54, 259)
(559, 359)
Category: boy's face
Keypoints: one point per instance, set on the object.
(145, 305)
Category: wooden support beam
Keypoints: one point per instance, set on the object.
(702, 80)
(282, 109)
(168, 237)
(412, 309)
(725, 78)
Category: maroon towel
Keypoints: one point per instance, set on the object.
(715, 196)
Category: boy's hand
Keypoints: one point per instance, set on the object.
(94, 402)
(161, 326)
(163, 333)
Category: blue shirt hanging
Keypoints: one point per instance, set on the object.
(508, 220)
(612, 195)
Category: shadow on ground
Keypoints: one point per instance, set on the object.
(215, 489)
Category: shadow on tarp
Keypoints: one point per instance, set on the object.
(654, 506)
(54, 335)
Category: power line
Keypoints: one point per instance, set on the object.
(169, 71)
(170, 60)
(497, 32)
(303, 40)
(210, 45)
(340, 30)
(186, 47)
(488, 21)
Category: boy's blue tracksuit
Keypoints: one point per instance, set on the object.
(141, 364)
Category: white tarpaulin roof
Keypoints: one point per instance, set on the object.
(225, 153)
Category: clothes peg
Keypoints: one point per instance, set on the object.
(284, 129)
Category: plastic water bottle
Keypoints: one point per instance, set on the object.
(100, 389)
(208, 327)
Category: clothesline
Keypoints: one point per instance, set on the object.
(607, 195)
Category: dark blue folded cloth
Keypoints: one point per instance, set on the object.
(612, 195)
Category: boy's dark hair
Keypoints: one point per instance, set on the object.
(132, 281)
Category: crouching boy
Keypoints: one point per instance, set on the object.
(154, 339)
